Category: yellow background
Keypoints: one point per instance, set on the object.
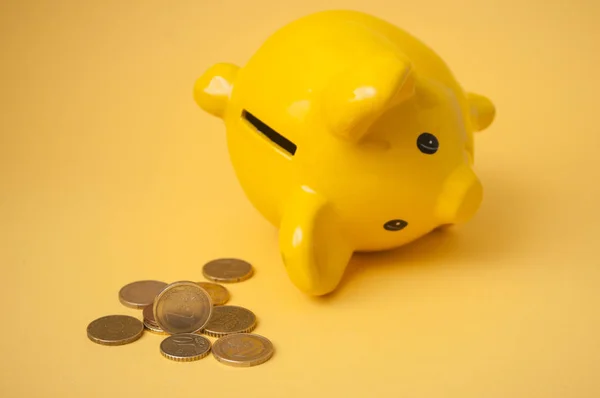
(109, 173)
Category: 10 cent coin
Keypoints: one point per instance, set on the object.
(185, 347)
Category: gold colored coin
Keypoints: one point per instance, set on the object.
(218, 294)
(227, 270)
(140, 294)
(182, 307)
(243, 349)
(148, 314)
(151, 327)
(228, 319)
(115, 330)
(185, 347)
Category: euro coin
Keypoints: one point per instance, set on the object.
(227, 270)
(115, 330)
(153, 328)
(140, 294)
(182, 307)
(228, 319)
(242, 349)
(218, 294)
(185, 347)
(148, 314)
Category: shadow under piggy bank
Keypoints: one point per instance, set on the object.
(496, 231)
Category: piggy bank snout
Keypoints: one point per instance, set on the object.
(461, 196)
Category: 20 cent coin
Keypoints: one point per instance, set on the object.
(228, 319)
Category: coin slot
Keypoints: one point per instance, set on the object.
(269, 133)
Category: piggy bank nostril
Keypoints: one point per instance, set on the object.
(395, 225)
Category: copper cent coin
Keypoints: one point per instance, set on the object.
(115, 330)
(140, 294)
(182, 307)
(227, 270)
(243, 349)
(218, 294)
(228, 319)
(185, 347)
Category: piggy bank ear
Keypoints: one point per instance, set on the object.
(483, 111)
(212, 90)
(357, 97)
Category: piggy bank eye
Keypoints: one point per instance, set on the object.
(427, 143)
(395, 225)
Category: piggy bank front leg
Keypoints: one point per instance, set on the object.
(313, 248)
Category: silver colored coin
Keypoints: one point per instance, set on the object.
(140, 294)
(185, 347)
(227, 270)
(182, 307)
(243, 349)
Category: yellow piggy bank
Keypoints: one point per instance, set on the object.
(349, 135)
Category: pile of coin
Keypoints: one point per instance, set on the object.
(186, 310)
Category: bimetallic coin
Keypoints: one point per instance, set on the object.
(228, 319)
(185, 347)
(115, 330)
(243, 349)
(182, 307)
(140, 294)
(227, 270)
(153, 328)
(218, 294)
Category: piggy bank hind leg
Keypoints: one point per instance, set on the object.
(312, 245)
